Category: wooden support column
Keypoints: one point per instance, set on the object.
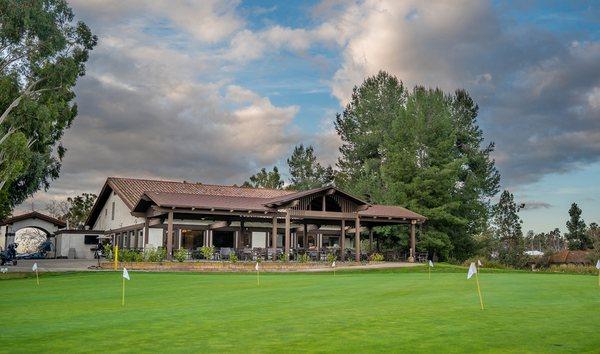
(357, 238)
(146, 232)
(274, 234)
(305, 236)
(170, 236)
(288, 223)
(343, 241)
(240, 243)
(411, 258)
(210, 238)
(370, 239)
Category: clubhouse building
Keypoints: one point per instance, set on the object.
(252, 222)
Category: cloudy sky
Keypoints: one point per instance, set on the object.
(213, 90)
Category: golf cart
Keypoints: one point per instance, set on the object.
(9, 256)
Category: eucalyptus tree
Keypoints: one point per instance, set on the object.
(42, 54)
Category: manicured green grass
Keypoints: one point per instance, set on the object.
(383, 311)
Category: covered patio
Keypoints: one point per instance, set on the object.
(314, 223)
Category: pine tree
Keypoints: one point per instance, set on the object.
(422, 150)
(264, 179)
(305, 171)
(507, 226)
(576, 236)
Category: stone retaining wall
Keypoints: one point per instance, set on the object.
(224, 266)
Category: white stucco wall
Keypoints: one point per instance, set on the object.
(155, 238)
(122, 217)
(2, 237)
(66, 241)
(51, 228)
(259, 239)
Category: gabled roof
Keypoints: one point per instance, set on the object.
(131, 190)
(567, 256)
(34, 215)
(277, 201)
(139, 194)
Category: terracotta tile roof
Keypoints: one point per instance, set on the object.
(136, 192)
(567, 256)
(33, 215)
(183, 200)
(392, 211)
(132, 189)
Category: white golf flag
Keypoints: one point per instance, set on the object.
(333, 264)
(479, 263)
(4, 270)
(598, 264)
(430, 263)
(125, 274)
(472, 270)
(256, 266)
(34, 267)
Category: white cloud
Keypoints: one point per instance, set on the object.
(593, 98)
(207, 20)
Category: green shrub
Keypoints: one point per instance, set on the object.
(303, 258)
(573, 268)
(207, 252)
(376, 257)
(233, 257)
(181, 254)
(107, 251)
(155, 254)
(331, 257)
(130, 256)
(282, 257)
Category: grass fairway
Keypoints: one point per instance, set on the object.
(382, 311)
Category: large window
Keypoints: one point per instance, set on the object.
(192, 239)
(90, 240)
(223, 238)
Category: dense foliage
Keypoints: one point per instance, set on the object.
(423, 150)
(42, 54)
(265, 179)
(576, 235)
(74, 210)
(305, 171)
(507, 229)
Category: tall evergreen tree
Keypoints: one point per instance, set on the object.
(576, 235)
(264, 179)
(363, 126)
(305, 171)
(507, 226)
(422, 150)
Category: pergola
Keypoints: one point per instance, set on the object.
(297, 213)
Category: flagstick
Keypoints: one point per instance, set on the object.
(479, 290)
(429, 267)
(123, 298)
(37, 278)
(258, 277)
(116, 256)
